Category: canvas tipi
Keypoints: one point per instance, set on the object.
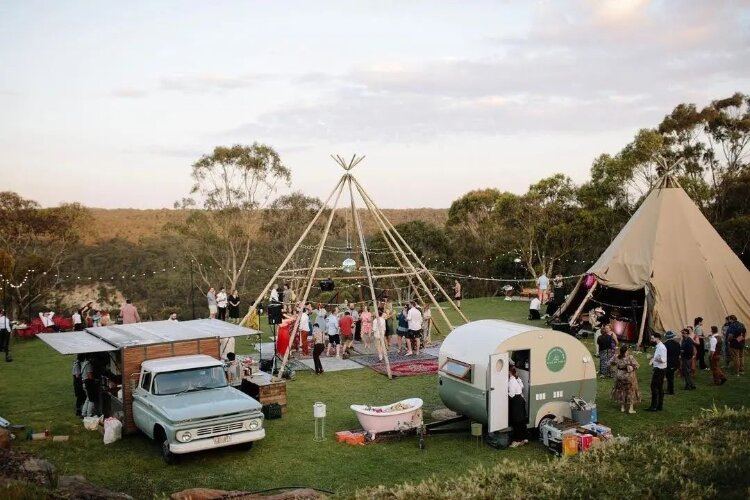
(667, 266)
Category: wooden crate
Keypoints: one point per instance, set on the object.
(266, 391)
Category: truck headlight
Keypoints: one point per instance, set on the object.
(252, 425)
(184, 436)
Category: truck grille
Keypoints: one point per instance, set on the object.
(219, 429)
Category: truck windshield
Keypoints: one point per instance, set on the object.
(194, 379)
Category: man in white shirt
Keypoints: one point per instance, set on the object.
(304, 327)
(542, 284)
(5, 329)
(659, 363)
(77, 321)
(534, 307)
(414, 335)
(47, 321)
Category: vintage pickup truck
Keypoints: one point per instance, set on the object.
(186, 405)
(165, 379)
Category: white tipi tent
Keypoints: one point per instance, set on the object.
(670, 251)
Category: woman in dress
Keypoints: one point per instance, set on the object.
(234, 307)
(607, 344)
(457, 293)
(365, 319)
(625, 390)
(378, 331)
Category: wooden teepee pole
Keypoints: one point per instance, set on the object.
(416, 258)
(366, 262)
(381, 220)
(311, 276)
(291, 253)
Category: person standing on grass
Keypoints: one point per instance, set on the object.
(696, 343)
(606, 345)
(736, 333)
(687, 353)
(414, 322)
(427, 325)
(673, 359)
(346, 327)
(5, 329)
(365, 319)
(221, 304)
(517, 417)
(129, 313)
(320, 317)
(334, 336)
(318, 347)
(703, 339)
(625, 390)
(77, 321)
(714, 356)
(534, 306)
(379, 333)
(234, 307)
(659, 364)
(542, 285)
(211, 300)
(304, 328)
(457, 295)
(78, 391)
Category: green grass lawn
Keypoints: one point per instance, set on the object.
(36, 390)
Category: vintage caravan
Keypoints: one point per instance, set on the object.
(473, 374)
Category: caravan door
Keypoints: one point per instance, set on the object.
(497, 382)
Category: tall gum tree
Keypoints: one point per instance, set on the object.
(230, 188)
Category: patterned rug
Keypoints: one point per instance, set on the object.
(409, 368)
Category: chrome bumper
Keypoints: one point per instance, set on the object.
(209, 444)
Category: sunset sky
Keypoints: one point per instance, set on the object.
(109, 103)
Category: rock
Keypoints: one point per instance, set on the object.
(77, 487)
(209, 494)
(38, 465)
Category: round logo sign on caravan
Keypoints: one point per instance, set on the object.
(556, 359)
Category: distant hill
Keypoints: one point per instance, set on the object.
(133, 224)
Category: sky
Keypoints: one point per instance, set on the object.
(109, 103)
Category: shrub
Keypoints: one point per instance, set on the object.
(704, 458)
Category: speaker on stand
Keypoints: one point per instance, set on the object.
(275, 316)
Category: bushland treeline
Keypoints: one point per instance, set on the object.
(226, 233)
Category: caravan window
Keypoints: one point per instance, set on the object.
(457, 369)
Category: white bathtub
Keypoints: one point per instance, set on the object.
(375, 419)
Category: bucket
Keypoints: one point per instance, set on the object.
(570, 445)
(581, 416)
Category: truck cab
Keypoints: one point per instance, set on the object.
(186, 405)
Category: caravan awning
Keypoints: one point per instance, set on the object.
(75, 342)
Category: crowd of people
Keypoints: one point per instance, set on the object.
(222, 306)
(333, 329)
(673, 356)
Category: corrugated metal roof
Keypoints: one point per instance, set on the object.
(157, 332)
(75, 342)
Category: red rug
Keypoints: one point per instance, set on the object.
(409, 368)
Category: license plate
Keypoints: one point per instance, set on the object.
(223, 439)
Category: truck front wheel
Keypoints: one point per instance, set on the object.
(161, 437)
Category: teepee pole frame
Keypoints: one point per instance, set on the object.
(382, 220)
(291, 253)
(418, 260)
(295, 329)
(368, 270)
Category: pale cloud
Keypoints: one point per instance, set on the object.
(583, 66)
(130, 93)
(210, 83)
